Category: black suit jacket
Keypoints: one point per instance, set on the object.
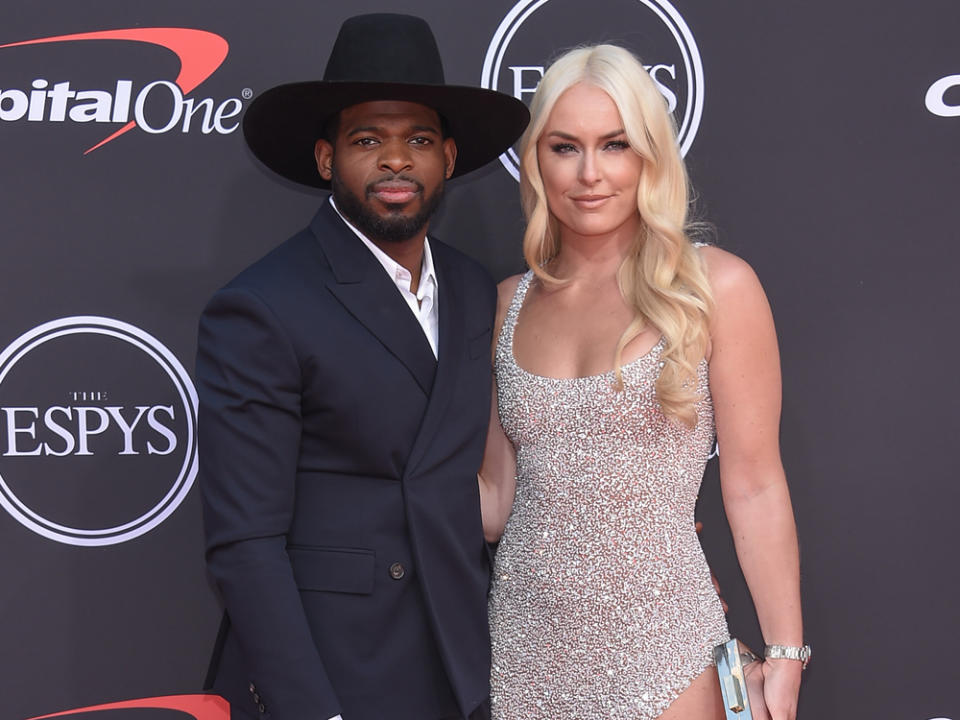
(338, 471)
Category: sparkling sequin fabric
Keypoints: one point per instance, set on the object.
(601, 604)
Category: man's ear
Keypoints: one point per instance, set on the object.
(449, 156)
(323, 152)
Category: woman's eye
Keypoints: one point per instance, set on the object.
(617, 145)
(563, 148)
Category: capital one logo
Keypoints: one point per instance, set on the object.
(157, 107)
(936, 98)
(98, 441)
(197, 707)
(531, 32)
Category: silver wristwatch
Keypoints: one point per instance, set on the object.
(788, 652)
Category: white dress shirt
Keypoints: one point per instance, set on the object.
(423, 303)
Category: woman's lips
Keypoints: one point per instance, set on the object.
(589, 202)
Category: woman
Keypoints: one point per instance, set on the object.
(618, 356)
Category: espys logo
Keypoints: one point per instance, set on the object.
(936, 98)
(198, 707)
(530, 34)
(98, 441)
(158, 107)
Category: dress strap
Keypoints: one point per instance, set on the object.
(505, 340)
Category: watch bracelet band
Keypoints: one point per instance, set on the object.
(788, 652)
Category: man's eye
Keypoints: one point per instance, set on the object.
(420, 140)
(365, 141)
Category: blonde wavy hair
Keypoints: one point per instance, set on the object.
(662, 278)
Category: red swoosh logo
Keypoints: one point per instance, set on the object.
(200, 707)
(200, 54)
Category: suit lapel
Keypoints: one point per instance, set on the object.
(369, 294)
(450, 353)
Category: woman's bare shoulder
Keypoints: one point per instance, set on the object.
(741, 308)
(505, 291)
(728, 273)
(506, 288)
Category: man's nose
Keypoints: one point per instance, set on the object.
(395, 156)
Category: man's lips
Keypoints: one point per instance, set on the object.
(395, 192)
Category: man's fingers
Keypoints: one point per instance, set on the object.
(716, 586)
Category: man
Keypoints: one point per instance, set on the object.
(344, 385)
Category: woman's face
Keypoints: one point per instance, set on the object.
(590, 173)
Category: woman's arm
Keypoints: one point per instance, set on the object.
(745, 385)
(498, 474)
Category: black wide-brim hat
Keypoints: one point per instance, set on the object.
(379, 57)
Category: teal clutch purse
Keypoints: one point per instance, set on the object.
(741, 681)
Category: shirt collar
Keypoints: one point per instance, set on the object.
(398, 273)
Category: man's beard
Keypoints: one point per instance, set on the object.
(391, 228)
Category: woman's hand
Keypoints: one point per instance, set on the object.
(781, 686)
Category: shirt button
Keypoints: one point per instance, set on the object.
(397, 571)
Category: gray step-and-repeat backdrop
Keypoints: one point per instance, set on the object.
(824, 142)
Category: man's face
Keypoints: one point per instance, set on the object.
(387, 166)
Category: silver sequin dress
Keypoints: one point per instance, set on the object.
(601, 604)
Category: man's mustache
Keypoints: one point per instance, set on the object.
(394, 181)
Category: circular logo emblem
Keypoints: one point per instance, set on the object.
(528, 38)
(937, 96)
(98, 441)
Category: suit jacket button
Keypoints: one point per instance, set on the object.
(253, 688)
(261, 708)
(397, 571)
